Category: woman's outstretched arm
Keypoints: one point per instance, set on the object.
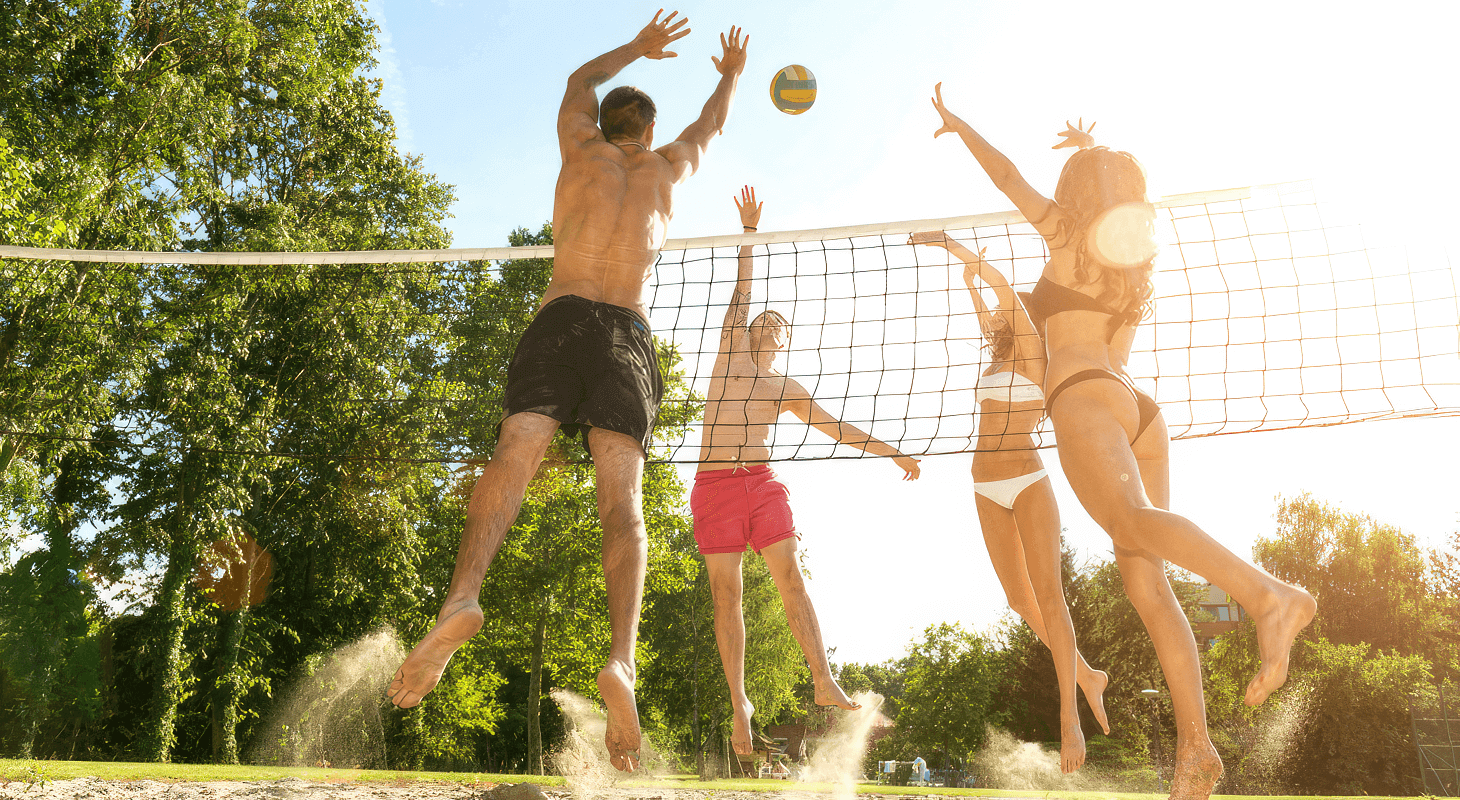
(1038, 209)
(975, 267)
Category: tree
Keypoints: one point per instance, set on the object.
(1384, 630)
(1373, 583)
(197, 125)
(1340, 726)
(951, 695)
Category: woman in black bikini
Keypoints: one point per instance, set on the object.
(1111, 437)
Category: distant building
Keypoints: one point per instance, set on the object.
(1223, 615)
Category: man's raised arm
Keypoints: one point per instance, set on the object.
(685, 152)
(578, 116)
(737, 316)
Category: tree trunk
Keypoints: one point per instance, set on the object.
(534, 696)
(158, 730)
(694, 683)
(227, 696)
(7, 453)
(52, 633)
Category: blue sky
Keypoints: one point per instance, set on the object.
(1208, 96)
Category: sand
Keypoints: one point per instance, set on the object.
(297, 789)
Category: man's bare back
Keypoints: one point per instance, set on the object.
(610, 213)
(613, 200)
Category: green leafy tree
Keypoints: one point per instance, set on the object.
(265, 136)
(951, 695)
(1384, 630)
(1340, 726)
(1374, 584)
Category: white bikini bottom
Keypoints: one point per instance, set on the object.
(1005, 491)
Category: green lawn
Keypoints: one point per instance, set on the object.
(30, 772)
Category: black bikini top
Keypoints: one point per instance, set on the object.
(1050, 298)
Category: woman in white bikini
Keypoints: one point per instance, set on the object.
(1013, 495)
(1112, 439)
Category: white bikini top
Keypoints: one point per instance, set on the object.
(1007, 387)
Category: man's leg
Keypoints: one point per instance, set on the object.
(780, 558)
(494, 503)
(725, 587)
(619, 466)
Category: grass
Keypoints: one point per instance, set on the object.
(29, 771)
(42, 772)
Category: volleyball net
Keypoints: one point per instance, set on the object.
(1265, 319)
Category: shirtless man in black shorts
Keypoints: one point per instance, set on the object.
(587, 361)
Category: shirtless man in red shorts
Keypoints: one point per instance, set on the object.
(737, 500)
(587, 362)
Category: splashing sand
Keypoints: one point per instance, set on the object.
(1277, 729)
(333, 713)
(582, 759)
(837, 760)
(1005, 762)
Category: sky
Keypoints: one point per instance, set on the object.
(1355, 97)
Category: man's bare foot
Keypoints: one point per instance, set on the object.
(1276, 630)
(422, 669)
(1198, 768)
(1093, 682)
(1072, 746)
(829, 693)
(740, 728)
(616, 685)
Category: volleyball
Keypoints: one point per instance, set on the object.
(793, 89)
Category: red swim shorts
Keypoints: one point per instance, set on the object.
(736, 507)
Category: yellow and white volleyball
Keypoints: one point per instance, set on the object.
(793, 89)
(1124, 236)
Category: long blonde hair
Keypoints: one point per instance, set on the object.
(1092, 182)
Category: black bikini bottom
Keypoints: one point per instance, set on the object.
(1146, 406)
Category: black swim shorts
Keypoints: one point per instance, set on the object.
(587, 365)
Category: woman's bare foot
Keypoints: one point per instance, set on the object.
(740, 728)
(829, 693)
(1093, 682)
(1276, 629)
(1072, 746)
(1198, 768)
(457, 622)
(621, 736)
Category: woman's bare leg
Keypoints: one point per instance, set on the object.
(1035, 517)
(1093, 422)
(1198, 766)
(726, 589)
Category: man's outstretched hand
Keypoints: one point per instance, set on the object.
(732, 61)
(658, 34)
(909, 466)
(748, 208)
